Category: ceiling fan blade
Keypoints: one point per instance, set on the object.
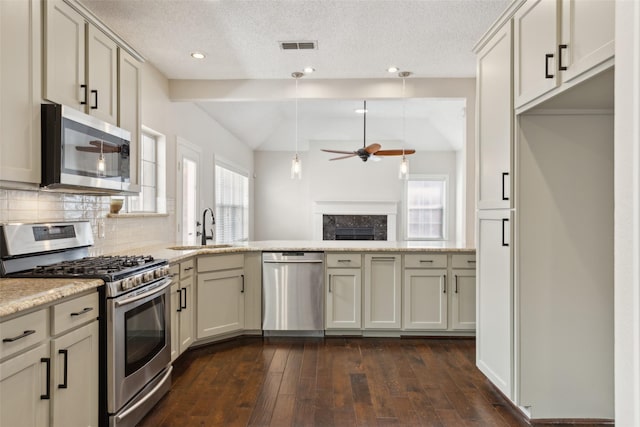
(394, 152)
(372, 148)
(344, 157)
(338, 151)
(106, 149)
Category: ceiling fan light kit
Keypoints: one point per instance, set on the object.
(372, 151)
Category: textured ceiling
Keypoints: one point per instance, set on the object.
(356, 38)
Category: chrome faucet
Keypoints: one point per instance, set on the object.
(213, 223)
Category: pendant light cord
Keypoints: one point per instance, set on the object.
(364, 141)
(404, 118)
(296, 117)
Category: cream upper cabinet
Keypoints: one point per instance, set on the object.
(495, 121)
(81, 63)
(343, 298)
(588, 30)
(425, 299)
(20, 87)
(382, 291)
(102, 69)
(129, 106)
(64, 56)
(557, 41)
(494, 334)
(536, 45)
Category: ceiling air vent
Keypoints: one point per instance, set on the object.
(298, 45)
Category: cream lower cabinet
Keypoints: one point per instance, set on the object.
(182, 307)
(382, 291)
(49, 368)
(220, 295)
(343, 298)
(425, 293)
(463, 300)
(74, 377)
(23, 382)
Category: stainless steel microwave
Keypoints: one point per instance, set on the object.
(82, 153)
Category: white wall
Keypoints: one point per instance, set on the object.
(627, 212)
(284, 206)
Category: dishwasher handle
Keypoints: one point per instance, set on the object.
(293, 261)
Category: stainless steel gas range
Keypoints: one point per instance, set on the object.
(135, 320)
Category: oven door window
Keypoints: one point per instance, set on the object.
(145, 334)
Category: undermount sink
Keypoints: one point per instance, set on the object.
(192, 247)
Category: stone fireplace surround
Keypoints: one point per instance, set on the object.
(388, 208)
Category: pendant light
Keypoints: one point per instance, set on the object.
(403, 171)
(296, 165)
(101, 164)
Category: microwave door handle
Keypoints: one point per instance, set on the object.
(144, 295)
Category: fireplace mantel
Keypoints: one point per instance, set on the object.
(390, 209)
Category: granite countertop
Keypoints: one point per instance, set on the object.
(22, 294)
(173, 255)
(18, 295)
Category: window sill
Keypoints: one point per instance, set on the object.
(137, 215)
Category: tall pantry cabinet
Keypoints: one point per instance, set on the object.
(545, 208)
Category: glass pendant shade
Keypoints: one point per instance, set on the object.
(296, 167)
(403, 171)
(101, 165)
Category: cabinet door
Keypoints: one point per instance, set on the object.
(75, 377)
(22, 383)
(220, 299)
(102, 66)
(463, 299)
(129, 107)
(495, 121)
(20, 77)
(588, 30)
(382, 292)
(344, 299)
(494, 334)
(186, 314)
(536, 36)
(176, 293)
(64, 56)
(425, 299)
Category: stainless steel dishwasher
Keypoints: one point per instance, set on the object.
(293, 293)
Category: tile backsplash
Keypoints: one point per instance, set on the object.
(110, 234)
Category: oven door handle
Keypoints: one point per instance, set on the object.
(149, 395)
(144, 295)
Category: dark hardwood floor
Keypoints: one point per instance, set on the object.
(332, 382)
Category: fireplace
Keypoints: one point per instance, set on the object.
(352, 220)
(354, 227)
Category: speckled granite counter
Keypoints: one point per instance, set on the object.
(18, 295)
(163, 251)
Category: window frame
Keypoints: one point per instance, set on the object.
(244, 173)
(446, 206)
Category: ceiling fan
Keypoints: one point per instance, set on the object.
(367, 151)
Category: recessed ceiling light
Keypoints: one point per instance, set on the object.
(360, 111)
(198, 55)
(393, 69)
(308, 70)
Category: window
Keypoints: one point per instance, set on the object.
(151, 198)
(232, 205)
(425, 201)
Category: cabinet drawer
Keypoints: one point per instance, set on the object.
(76, 312)
(463, 261)
(425, 261)
(220, 262)
(23, 332)
(186, 269)
(344, 260)
(174, 272)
